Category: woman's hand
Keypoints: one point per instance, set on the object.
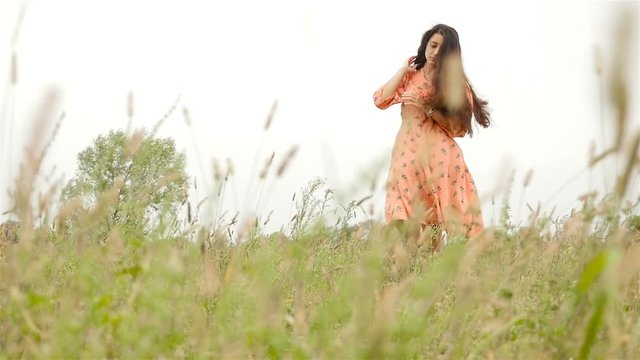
(413, 99)
(409, 65)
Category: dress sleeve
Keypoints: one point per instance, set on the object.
(459, 132)
(396, 98)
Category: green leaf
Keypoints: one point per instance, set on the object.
(591, 272)
(595, 324)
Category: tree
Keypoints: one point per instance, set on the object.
(137, 183)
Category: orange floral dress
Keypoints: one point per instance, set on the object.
(428, 178)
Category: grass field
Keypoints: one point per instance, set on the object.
(569, 290)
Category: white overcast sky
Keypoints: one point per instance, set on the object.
(229, 60)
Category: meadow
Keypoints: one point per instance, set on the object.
(327, 292)
(93, 277)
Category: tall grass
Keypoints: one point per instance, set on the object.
(323, 293)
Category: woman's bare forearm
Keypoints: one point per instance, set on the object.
(391, 86)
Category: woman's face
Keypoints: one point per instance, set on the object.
(433, 48)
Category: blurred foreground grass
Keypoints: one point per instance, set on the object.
(540, 291)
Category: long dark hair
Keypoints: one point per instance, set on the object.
(448, 68)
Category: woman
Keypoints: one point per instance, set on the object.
(428, 180)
